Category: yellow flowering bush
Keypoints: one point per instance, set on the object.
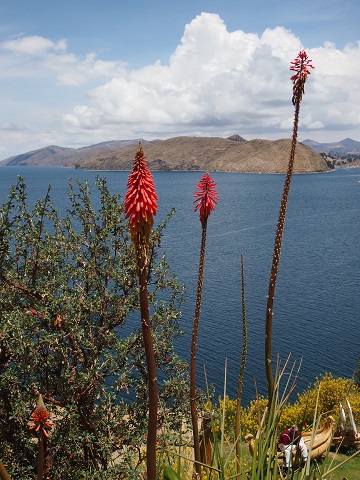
(249, 419)
(328, 392)
(331, 392)
(253, 415)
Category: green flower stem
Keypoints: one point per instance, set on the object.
(276, 256)
(242, 369)
(194, 417)
(151, 368)
(41, 458)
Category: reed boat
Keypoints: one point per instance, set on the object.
(316, 445)
(346, 437)
(346, 434)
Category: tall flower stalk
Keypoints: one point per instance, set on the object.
(140, 207)
(241, 373)
(205, 200)
(300, 66)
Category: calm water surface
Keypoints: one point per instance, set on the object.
(317, 301)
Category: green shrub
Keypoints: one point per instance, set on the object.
(70, 330)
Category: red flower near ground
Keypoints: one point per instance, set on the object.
(301, 66)
(140, 199)
(40, 421)
(206, 197)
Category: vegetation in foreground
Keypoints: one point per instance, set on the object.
(69, 330)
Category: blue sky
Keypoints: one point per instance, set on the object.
(74, 73)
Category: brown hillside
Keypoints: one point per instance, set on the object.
(213, 154)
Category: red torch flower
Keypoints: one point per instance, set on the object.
(140, 206)
(40, 420)
(301, 66)
(140, 200)
(205, 197)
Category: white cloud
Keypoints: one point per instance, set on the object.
(221, 81)
(33, 45)
(215, 80)
(216, 83)
(308, 122)
(38, 57)
(281, 42)
(72, 71)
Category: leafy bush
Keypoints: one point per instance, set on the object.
(68, 293)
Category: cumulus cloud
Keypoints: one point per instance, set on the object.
(35, 56)
(216, 82)
(33, 45)
(221, 81)
(72, 71)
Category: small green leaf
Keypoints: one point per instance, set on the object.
(170, 474)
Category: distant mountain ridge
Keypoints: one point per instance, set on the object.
(233, 154)
(344, 147)
(62, 156)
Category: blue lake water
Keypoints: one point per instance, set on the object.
(317, 300)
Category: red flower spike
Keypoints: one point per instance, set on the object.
(140, 199)
(205, 197)
(40, 421)
(41, 415)
(301, 66)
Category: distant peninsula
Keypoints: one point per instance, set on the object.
(184, 153)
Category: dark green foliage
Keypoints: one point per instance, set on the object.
(70, 330)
